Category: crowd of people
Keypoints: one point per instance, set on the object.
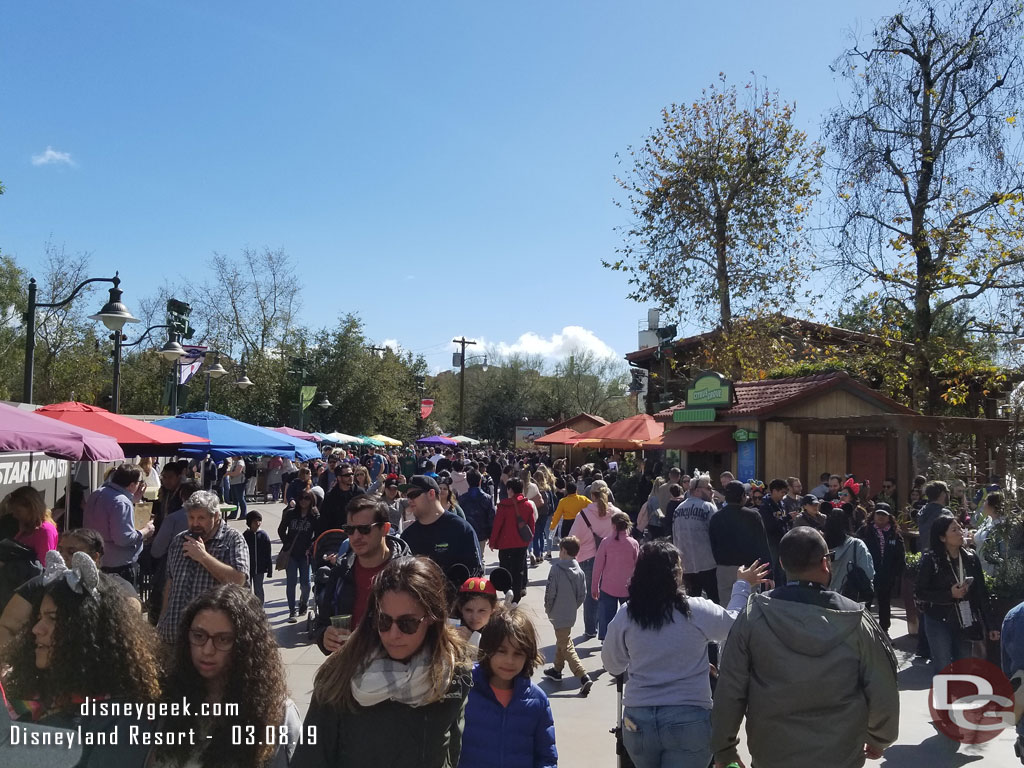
(716, 600)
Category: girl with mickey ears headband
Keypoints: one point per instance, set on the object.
(88, 644)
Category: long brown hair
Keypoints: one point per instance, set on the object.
(256, 680)
(421, 579)
(600, 496)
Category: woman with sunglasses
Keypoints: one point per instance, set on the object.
(226, 657)
(395, 693)
(296, 532)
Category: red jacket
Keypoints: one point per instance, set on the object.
(505, 534)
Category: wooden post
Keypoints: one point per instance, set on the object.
(904, 470)
(805, 462)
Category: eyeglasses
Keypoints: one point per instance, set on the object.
(407, 625)
(222, 641)
(363, 529)
(345, 474)
(412, 493)
(831, 555)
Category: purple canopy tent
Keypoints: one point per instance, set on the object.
(29, 432)
(436, 440)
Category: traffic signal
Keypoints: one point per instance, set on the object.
(178, 318)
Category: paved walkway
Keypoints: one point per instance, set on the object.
(582, 725)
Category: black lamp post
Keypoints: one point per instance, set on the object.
(114, 315)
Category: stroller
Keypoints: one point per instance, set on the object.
(620, 748)
(327, 543)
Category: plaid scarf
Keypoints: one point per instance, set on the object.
(385, 679)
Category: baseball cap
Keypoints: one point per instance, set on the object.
(478, 586)
(809, 498)
(422, 482)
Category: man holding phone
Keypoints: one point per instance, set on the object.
(347, 592)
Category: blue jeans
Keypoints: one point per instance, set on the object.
(668, 737)
(607, 605)
(540, 537)
(297, 571)
(589, 603)
(946, 642)
(238, 499)
(257, 586)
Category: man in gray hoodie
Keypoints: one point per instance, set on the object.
(563, 596)
(782, 648)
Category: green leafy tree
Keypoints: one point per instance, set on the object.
(718, 196)
(928, 168)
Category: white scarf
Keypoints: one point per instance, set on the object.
(385, 679)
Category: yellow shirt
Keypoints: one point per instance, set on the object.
(568, 508)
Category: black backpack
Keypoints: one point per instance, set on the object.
(857, 586)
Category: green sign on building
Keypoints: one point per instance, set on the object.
(693, 414)
(709, 390)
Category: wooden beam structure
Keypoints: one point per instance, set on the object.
(886, 423)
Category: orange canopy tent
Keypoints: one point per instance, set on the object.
(565, 436)
(625, 435)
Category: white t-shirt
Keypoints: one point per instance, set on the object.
(240, 478)
(436, 458)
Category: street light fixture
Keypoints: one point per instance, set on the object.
(172, 351)
(114, 315)
(325, 403)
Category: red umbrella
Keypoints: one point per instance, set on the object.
(625, 435)
(567, 436)
(134, 436)
(296, 433)
(25, 431)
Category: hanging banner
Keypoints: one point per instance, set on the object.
(306, 397)
(426, 406)
(190, 364)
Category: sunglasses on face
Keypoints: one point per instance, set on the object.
(407, 625)
(345, 474)
(363, 529)
(223, 641)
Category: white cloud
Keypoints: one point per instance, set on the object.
(392, 344)
(571, 339)
(52, 157)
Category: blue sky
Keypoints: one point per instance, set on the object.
(440, 168)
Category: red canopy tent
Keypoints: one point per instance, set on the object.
(565, 436)
(135, 437)
(714, 439)
(625, 435)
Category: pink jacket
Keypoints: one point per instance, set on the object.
(613, 567)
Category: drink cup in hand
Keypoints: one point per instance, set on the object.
(342, 621)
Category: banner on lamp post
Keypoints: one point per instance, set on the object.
(306, 397)
(426, 406)
(189, 365)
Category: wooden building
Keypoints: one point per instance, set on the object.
(809, 425)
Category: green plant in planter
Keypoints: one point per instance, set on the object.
(1004, 548)
(913, 561)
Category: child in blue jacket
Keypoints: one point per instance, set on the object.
(508, 718)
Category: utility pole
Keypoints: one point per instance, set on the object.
(462, 380)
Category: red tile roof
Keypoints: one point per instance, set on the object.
(759, 398)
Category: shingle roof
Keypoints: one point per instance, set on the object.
(598, 422)
(757, 398)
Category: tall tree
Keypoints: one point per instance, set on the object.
(928, 167)
(250, 300)
(583, 382)
(718, 195)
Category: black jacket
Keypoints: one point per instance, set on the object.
(389, 734)
(889, 566)
(296, 533)
(480, 511)
(261, 560)
(737, 536)
(332, 511)
(935, 580)
(775, 519)
(339, 594)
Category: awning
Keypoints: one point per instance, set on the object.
(625, 435)
(566, 436)
(712, 439)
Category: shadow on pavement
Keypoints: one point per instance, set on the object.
(915, 677)
(937, 750)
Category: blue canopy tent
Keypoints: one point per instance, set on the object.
(229, 437)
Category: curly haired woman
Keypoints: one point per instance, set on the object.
(226, 655)
(88, 642)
